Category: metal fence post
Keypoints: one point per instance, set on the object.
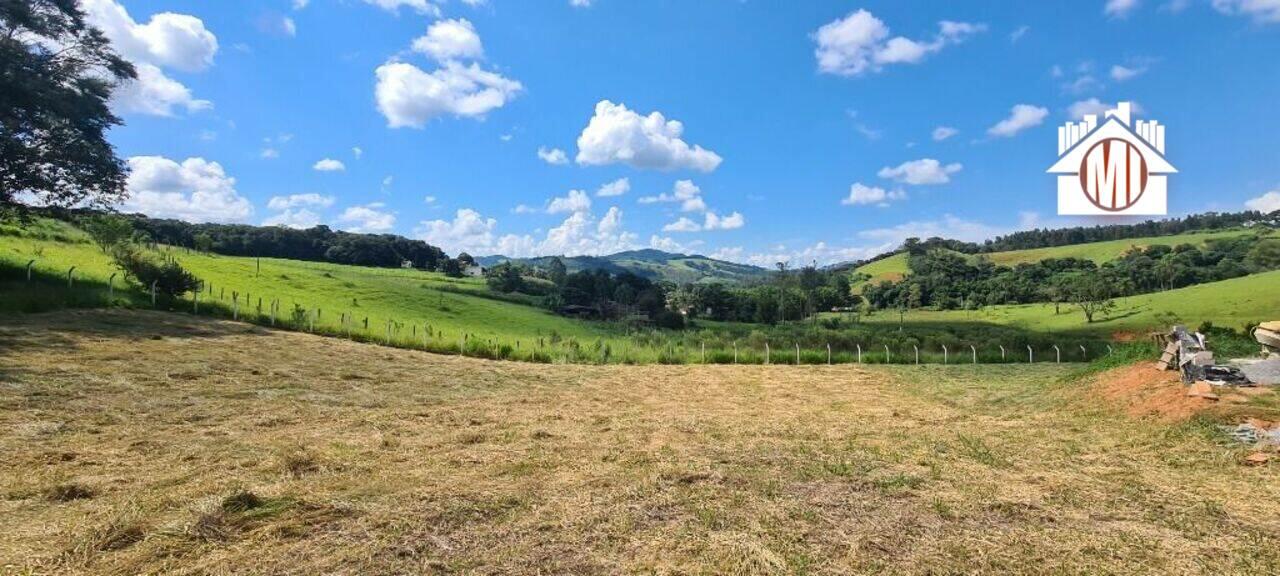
(1031, 355)
(1058, 353)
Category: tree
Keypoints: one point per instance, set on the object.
(452, 268)
(556, 272)
(466, 259)
(107, 230)
(504, 277)
(202, 242)
(1091, 293)
(57, 74)
(169, 277)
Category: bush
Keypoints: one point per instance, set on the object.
(169, 277)
(669, 319)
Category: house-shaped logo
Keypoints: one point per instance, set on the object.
(1113, 167)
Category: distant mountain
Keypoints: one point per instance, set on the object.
(651, 264)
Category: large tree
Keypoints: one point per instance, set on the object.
(56, 77)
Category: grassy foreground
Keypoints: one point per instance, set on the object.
(184, 445)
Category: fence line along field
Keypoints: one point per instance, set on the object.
(188, 445)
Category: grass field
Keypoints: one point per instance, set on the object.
(895, 267)
(185, 445)
(1229, 303)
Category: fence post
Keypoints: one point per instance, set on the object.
(111, 288)
(859, 352)
(195, 303)
(735, 351)
(1108, 349)
(975, 353)
(1002, 353)
(917, 349)
(311, 323)
(1031, 355)
(153, 292)
(1058, 353)
(887, 357)
(70, 271)
(273, 312)
(944, 354)
(704, 352)
(29, 265)
(797, 353)
(828, 353)
(1084, 354)
(235, 309)
(766, 352)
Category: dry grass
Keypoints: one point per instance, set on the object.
(198, 446)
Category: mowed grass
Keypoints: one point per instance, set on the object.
(895, 267)
(1234, 303)
(419, 301)
(141, 442)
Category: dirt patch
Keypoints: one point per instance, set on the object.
(1145, 391)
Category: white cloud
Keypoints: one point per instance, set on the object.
(1266, 203)
(269, 153)
(451, 40)
(429, 199)
(948, 227)
(1262, 11)
(922, 172)
(300, 4)
(409, 97)
(618, 135)
(197, 190)
(576, 201)
(1121, 73)
(1018, 33)
(618, 187)
(168, 40)
(685, 192)
(943, 132)
(370, 218)
(1079, 109)
(710, 221)
(329, 165)
(861, 194)
(1020, 118)
(580, 3)
(300, 219)
(553, 156)
(358, 152)
(579, 234)
(419, 6)
(860, 43)
(1119, 8)
(288, 26)
(298, 201)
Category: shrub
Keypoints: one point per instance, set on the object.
(169, 277)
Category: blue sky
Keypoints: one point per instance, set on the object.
(794, 131)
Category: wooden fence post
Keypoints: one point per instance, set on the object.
(1058, 353)
(704, 352)
(111, 288)
(195, 303)
(828, 353)
(859, 353)
(766, 352)
(917, 349)
(975, 353)
(735, 351)
(1031, 355)
(1108, 349)
(1084, 354)
(1002, 353)
(153, 292)
(797, 353)
(29, 265)
(887, 357)
(70, 271)
(944, 354)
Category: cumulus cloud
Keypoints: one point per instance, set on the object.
(1079, 109)
(553, 156)
(617, 135)
(710, 221)
(409, 97)
(576, 201)
(1021, 117)
(300, 219)
(943, 132)
(580, 3)
(1262, 11)
(861, 194)
(450, 40)
(1119, 8)
(1121, 73)
(197, 190)
(922, 172)
(329, 165)
(168, 40)
(684, 192)
(1266, 203)
(370, 218)
(873, 242)
(859, 43)
(299, 200)
(616, 188)
(579, 234)
(394, 6)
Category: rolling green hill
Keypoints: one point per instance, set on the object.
(894, 267)
(652, 264)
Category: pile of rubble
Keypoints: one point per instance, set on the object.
(1262, 436)
(1188, 353)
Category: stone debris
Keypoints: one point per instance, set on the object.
(1201, 390)
(1265, 372)
(1255, 432)
(1257, 459)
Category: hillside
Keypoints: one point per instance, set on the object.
(652, 264)
(895, 266)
